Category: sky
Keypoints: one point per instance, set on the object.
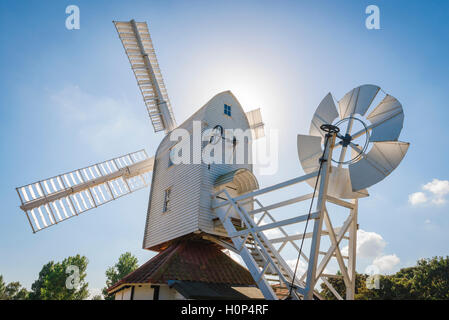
(69, 99)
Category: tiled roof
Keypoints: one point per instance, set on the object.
(215, 291)
(189, 260)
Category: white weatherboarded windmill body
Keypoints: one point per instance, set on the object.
(219, 202)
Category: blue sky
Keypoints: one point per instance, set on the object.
(69, 99)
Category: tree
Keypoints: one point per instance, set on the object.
(429, 279)
(339, 286)
(2, 289)
(62, 280)
(126, 264)
(12, 291)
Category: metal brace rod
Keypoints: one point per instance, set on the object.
(274, 225)
(266, 190)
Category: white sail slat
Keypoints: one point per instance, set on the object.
(36, 222)
(33, 195)
(255, 123)
(58, 213)
(64, 211)
(67, 181)
(25, 195)
(47, 189)
(380, 161)
(39, 190)
(326, 113)
(42, 216)
(358, 100)
(386, 120)
(83, 200)
(71, 206)
(49, 214)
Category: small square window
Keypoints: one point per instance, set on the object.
(227, 110)
(166, 200)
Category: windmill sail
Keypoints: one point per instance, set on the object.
(136, 40)
(325, 113)
(364, 169)
(56, 199)
(255, 123)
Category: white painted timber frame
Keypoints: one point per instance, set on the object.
(262, 256)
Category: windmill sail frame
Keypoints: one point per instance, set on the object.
(138, 46)
(50, 201)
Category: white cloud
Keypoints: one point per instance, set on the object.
(302, 266)
(417, 198)
(95, 292)
(439, 200)
(102, 122)
(369, 244)
(436, 191)
(437, 187)
(386, 263)
(271, 233)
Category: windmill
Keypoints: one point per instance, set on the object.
(218, 202)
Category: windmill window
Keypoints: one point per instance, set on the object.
(227, 110)
(166, 200)
(170, 163)
(171, 155)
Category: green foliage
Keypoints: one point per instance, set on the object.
(57, 281)
(2, 289)
(12, 291)
(126, 264)
(428, 280)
